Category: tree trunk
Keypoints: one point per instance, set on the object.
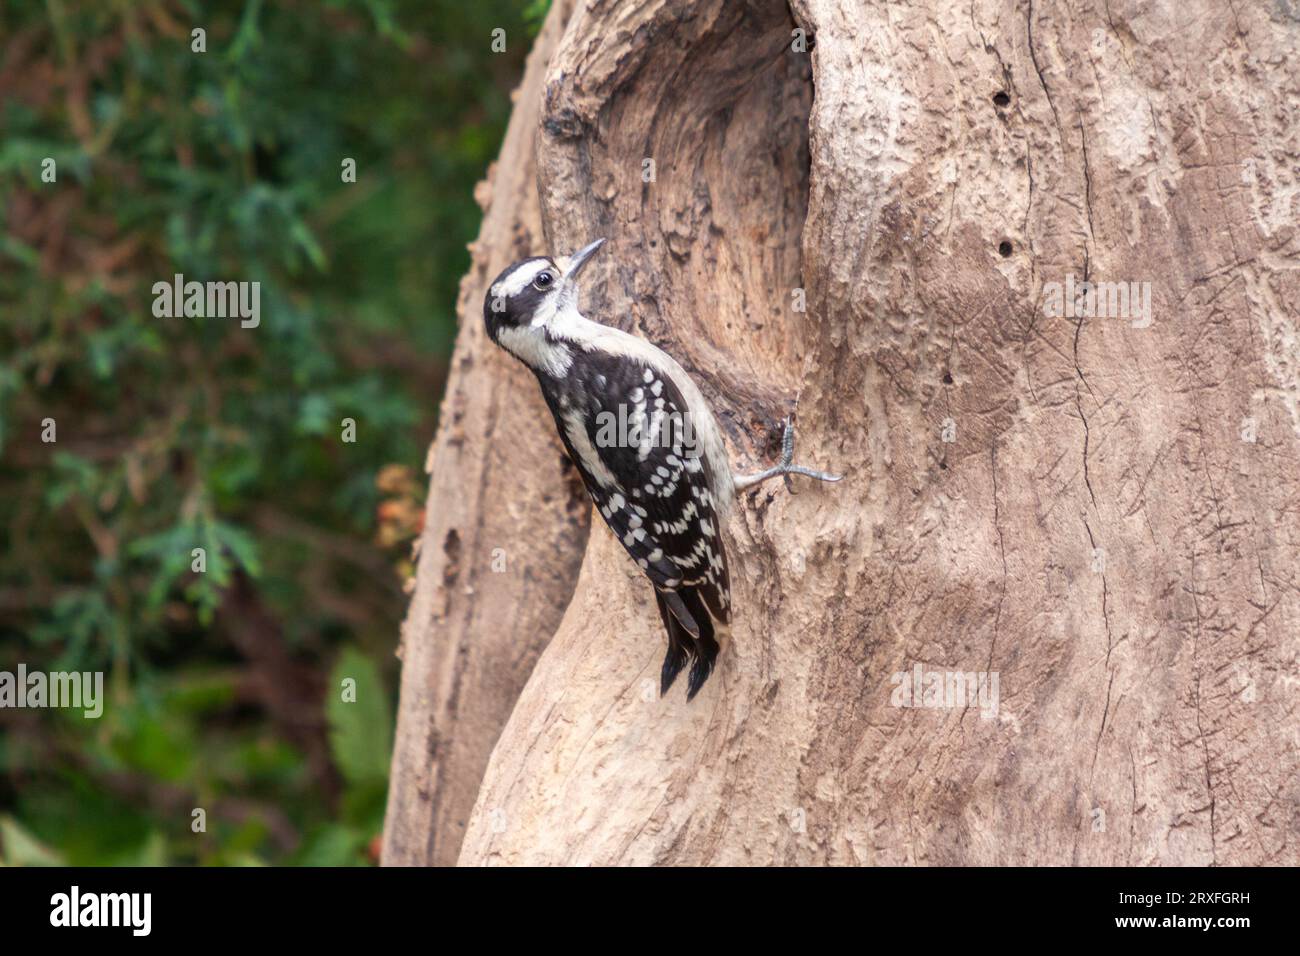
(1095, 514)
(505, 526)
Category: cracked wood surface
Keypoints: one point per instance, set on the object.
(1099, 532)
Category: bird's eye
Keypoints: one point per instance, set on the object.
(543, 281)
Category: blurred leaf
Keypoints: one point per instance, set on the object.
(535, 14)
(334, 845)
(361, 730)
(151, 852)
(20, 848)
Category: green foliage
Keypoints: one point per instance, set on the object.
(361, 735)
(176, 434)
(360, 720)
(534, 14)
(20, 848)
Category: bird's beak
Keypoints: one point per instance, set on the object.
(579, 259)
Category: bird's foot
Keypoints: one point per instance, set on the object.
(785, 468)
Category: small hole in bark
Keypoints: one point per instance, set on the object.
(1001, 98)
(451, 548)
(1004, 248)
(947, 378)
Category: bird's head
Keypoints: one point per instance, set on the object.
(529, 294)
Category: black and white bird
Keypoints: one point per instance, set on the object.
(644, 440)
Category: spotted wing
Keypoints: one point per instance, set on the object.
(660, 505)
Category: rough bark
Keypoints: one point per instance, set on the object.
(1073, 504)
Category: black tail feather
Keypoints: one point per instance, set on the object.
(676, 601)
(674, 661)
(706, 653)
(690, 633)
(680, 644)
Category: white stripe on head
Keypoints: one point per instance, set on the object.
(518, 280)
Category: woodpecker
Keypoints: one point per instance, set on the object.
(645, 442)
